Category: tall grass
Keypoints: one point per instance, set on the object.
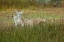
(46, 32)
(50, 31)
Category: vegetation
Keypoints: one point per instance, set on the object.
(27, 3)
(46, 32)
(50, 31)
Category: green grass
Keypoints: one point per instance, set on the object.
(47, 32)
(50, 31)
(44, 16)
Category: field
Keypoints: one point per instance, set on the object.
(50, 31)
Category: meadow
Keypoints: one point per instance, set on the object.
(50, 31)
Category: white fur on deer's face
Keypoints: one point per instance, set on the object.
(18, 21)
(15, 18)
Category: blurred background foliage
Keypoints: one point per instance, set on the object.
(27, 3)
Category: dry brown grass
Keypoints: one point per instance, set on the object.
(50, 10)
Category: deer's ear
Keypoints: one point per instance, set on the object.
(21, 12)
(16, 11)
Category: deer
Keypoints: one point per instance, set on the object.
(18, 20)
